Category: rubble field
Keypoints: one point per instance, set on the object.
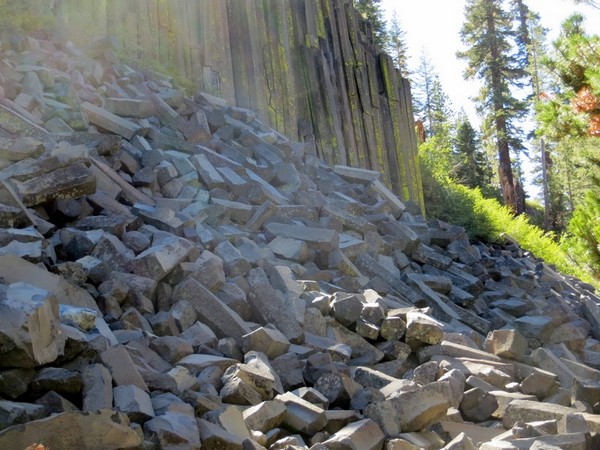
(177, 275)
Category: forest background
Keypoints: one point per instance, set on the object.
(539, 101)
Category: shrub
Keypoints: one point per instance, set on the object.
(486, 219)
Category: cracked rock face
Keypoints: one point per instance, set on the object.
(175, 274)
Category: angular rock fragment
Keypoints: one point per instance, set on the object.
(73, 181)
(301, 416)
(222, 320)
(268, 341)
(131, 400)
(270, 307)
(412, 411)
(73, 431)
(109, 121)
(361, 435)
(29, 327)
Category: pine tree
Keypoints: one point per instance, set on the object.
(489, 36)
(592, 3)
(584, 229)
(371, 10)
(471, 165)
(423, 92)
(440, 109)
(396, 48)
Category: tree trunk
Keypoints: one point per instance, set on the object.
(505, 173)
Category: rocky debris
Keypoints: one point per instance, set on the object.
(174, 274)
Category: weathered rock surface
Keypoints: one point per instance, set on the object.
(171, 269)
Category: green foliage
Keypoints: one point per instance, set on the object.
(472, 167)
(492, 55)
(575, 62)
(396, 46)
(485, 219)
(371, 11)
(583, 234)
(431, 103)
(23, 16)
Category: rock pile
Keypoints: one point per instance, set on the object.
(176, 275)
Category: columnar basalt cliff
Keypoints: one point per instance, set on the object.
(308, 67)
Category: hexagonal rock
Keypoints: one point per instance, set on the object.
(239, 392)
(457, 381)
(368, 377)
(270, 306)
(334, 387)
(367, 330)
(19, 149)
(346, 308)
(423, 329)
(157, 261)
(372, 313)
(229, 418)
(29, 326)
(266, 340)
(477, 405)
(13, 413)
(258, 373)
(233, 261)
(221, 319)
(97, 388)
(460, 442)
(540, 384)
(302, 416)
(172, 430)
(134, 402)
(213, 436)
(538, 327)
(392, 328)
(506, 344)
(361, 435)
(171, 348)
(412, 411)
(288, 248)
(265, 416)
(122, 368)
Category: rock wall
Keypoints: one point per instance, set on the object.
(309, 67)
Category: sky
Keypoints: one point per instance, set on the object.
(432, 27)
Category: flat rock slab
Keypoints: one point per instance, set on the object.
(73, 181)
(361, 435)
(109, 121)
(196, 363)
(221, 319)
(102, 430)
(127, 107)
(317, 238)
(270, 307)
(532, 411)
